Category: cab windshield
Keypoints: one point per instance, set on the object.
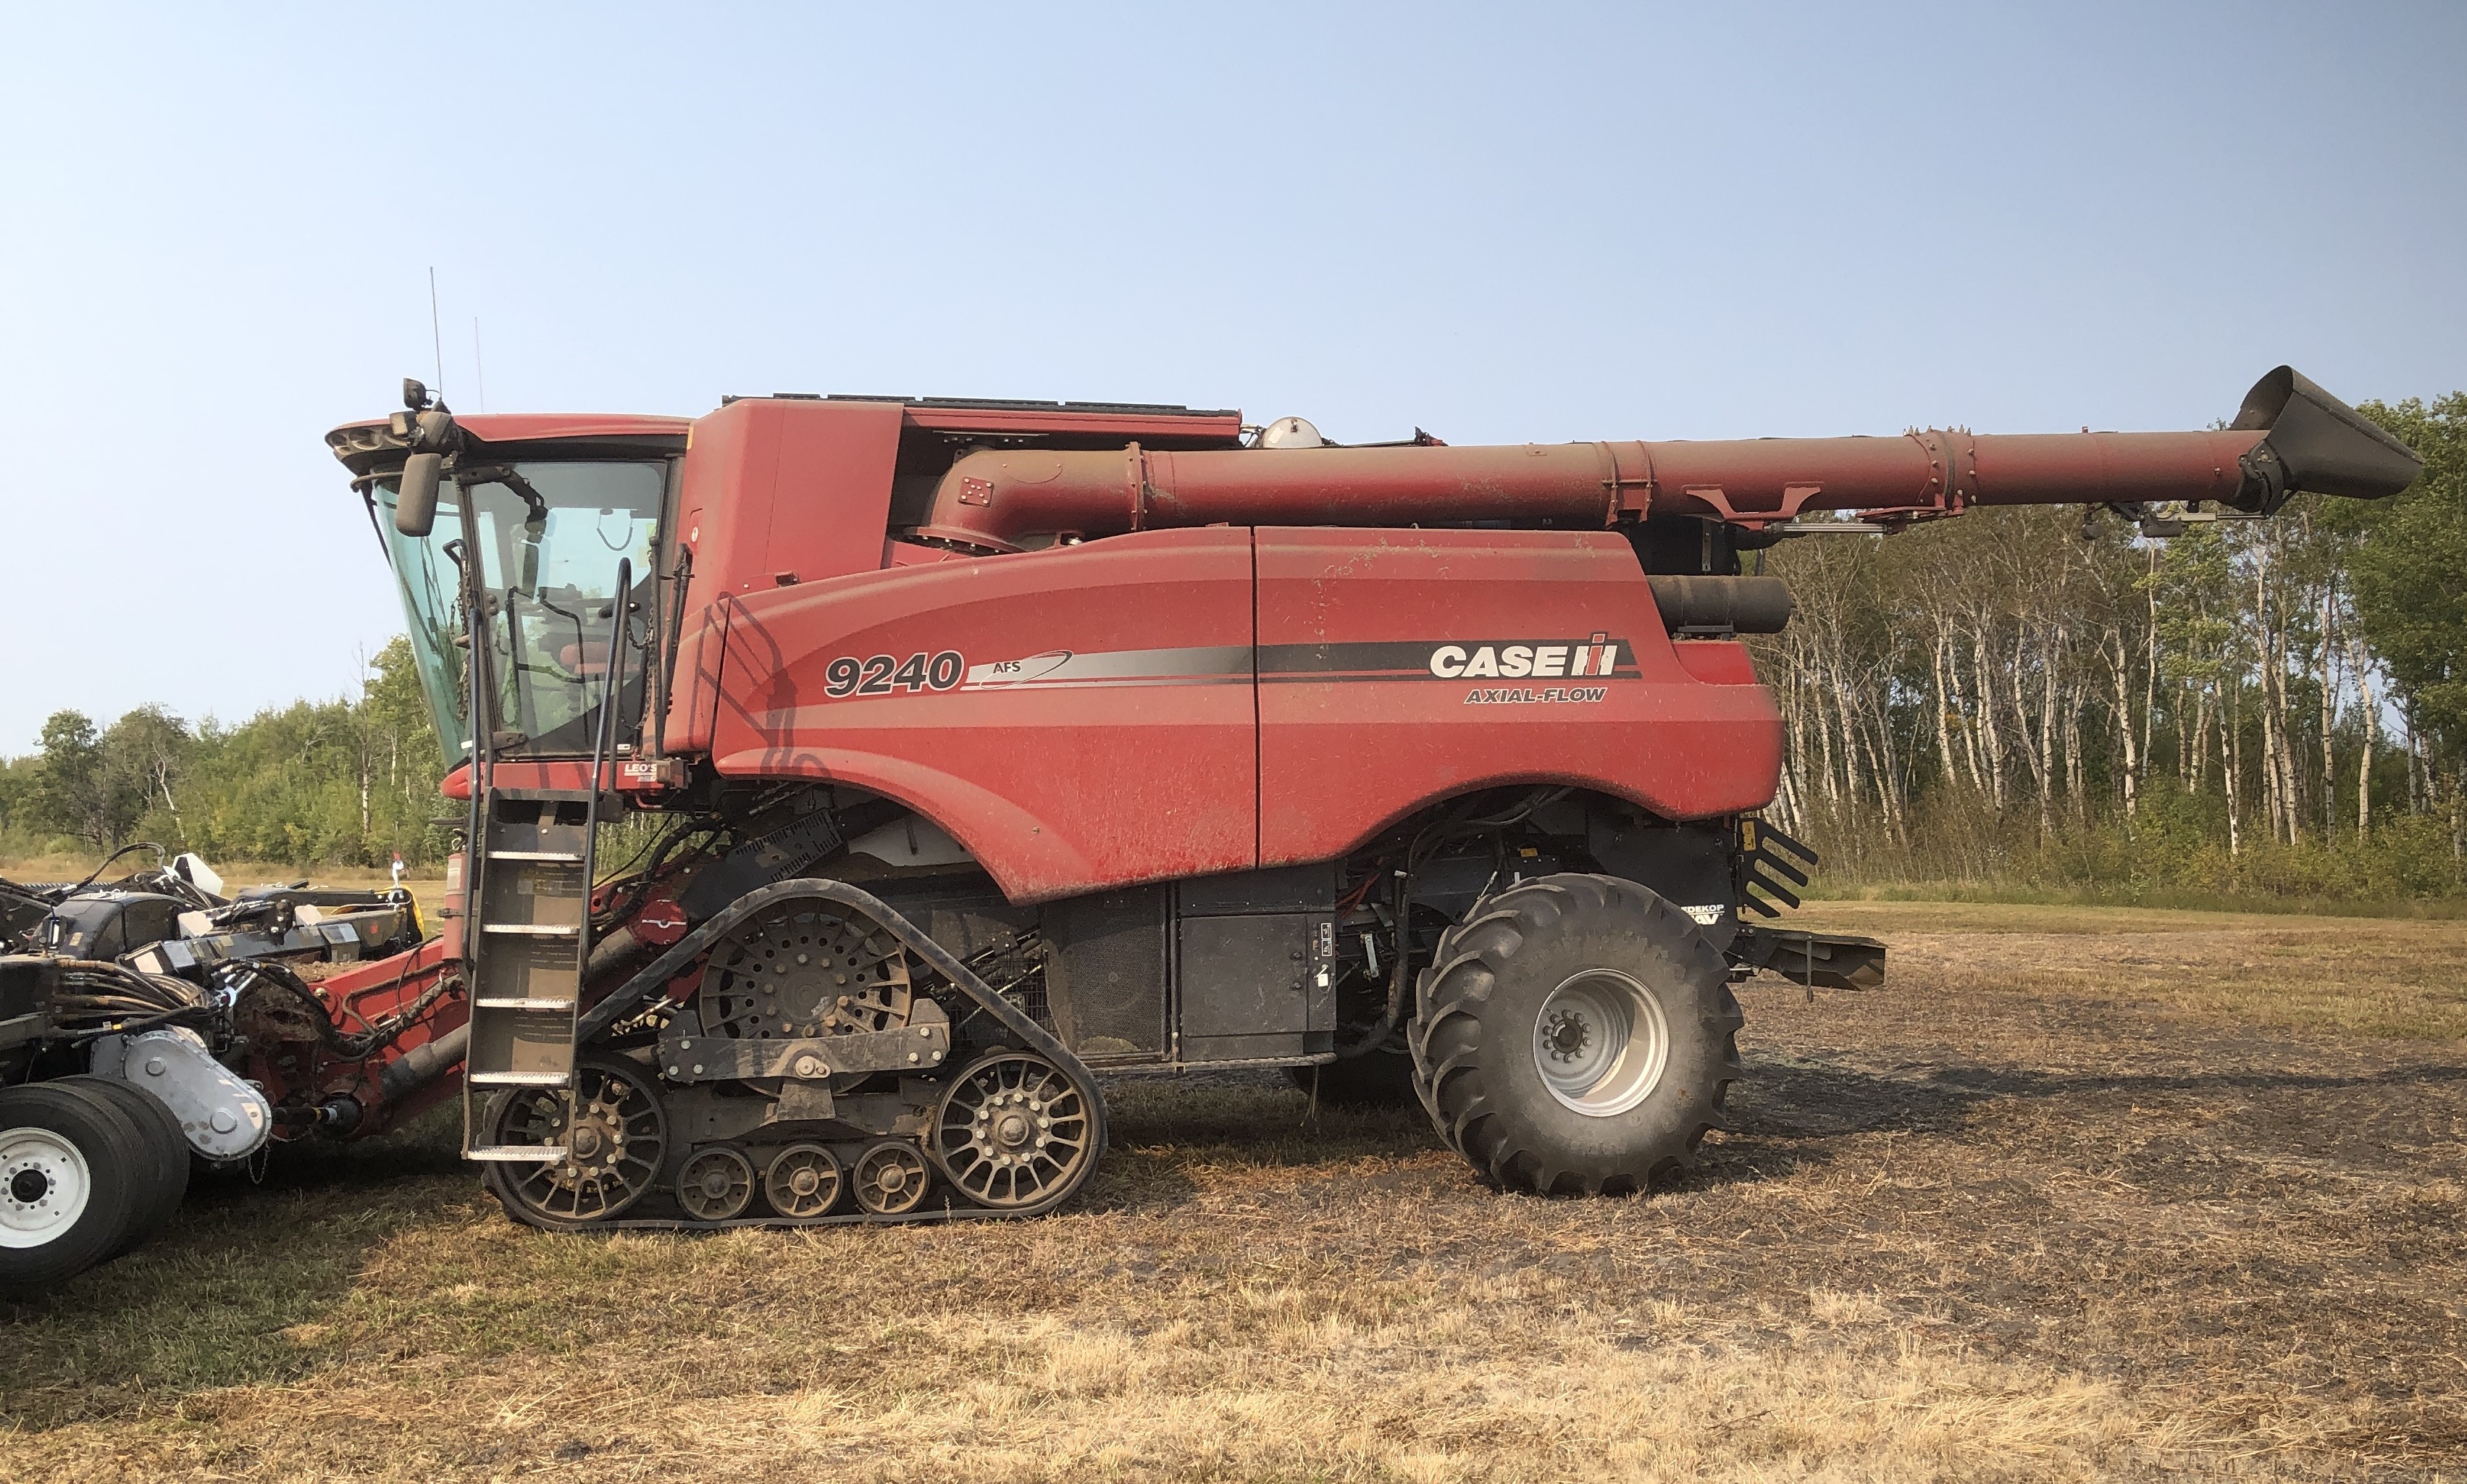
(548, 543)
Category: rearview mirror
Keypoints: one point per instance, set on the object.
(415, 502)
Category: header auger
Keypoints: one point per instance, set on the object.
(996, 748)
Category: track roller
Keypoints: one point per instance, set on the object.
(803, 1180)
(892, 1178)
(717, 1185)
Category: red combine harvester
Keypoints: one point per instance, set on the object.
(1000, 745)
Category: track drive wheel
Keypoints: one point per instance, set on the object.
(1575, 1034)
(614, 1144)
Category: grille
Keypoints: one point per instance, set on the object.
(1105, 972)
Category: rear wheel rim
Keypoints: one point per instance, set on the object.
(1600, 1043)
(45, 1186)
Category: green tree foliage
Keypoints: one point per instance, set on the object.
(70, 792)
(2408, 566)
(344, 782)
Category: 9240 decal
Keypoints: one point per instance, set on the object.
(880, 675)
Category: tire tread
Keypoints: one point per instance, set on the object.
(1448, 1036)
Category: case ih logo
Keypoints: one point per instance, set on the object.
(1599, 655)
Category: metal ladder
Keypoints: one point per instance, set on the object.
(533, 858)
(529, 879)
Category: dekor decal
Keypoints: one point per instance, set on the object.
(1549, 696)
(1600, 658)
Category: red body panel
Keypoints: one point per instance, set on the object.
(1109, 714)
(781, 492)
(1099, 730)
(1370, 732)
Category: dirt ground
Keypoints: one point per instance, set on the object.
(2082, 1194)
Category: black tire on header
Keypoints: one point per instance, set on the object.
(73, 1176)
(166, 1183)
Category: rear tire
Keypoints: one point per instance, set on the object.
(167, 1183)
(1576, 1036)
(73, 1172)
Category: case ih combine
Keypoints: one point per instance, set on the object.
(1002, 746)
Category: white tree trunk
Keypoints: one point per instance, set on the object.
(2372, 738)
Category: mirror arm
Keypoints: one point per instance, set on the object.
(509, 476)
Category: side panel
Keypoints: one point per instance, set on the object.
(1079, 718)
(1397, 666)
(1247, 987)
(776, 493)
(781, 492)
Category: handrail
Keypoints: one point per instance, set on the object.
(612, 691)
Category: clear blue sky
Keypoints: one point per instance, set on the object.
(1500, 223)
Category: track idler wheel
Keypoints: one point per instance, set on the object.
(613, 1133)
(1014, 1132)
(803, 1180)
(892, 1178)
(717, 1185)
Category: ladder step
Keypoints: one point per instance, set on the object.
(516, 1153)
(519, 1079)
(561, 857)
(521, 1002)
(534, 929)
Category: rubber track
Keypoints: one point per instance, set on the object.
(640, 989)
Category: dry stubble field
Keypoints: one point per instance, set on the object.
(2084, 1194)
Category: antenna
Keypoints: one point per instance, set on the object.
(479, 369)
(436, 337)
